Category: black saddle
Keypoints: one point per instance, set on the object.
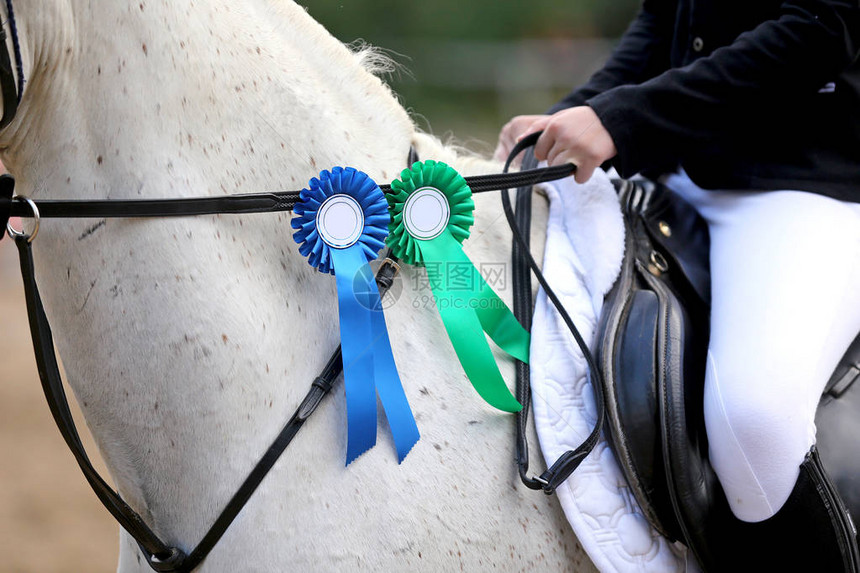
(651, 344)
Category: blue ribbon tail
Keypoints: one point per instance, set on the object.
(358, 362)
(400, 419)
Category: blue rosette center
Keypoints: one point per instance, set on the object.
(340, 221)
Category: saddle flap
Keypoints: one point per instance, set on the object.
(634, 425)
(653, 341)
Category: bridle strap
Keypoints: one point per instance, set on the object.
(320, 388)
(52, 385)
(11, 90)
(7, 191)
(168, 559)
(522, 262)
(250, 202)
(161, 556)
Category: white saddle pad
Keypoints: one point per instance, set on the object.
(584, 248)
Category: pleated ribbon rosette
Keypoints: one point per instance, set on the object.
(342, 220)
(431, 214)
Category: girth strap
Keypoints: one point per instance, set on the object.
(161, 556)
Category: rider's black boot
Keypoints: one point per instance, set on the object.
(812, 532)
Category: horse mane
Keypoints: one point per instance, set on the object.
(380, 63)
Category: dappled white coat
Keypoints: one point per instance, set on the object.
(189, 342)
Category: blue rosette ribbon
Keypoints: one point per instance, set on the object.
(342, 222)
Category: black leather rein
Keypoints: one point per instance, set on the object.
(522, 263)
(161, 556)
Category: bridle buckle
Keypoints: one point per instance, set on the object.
(389, 262)
(388, 269)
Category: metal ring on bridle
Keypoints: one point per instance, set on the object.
(14, 234)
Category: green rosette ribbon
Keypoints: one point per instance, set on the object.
(431, 213)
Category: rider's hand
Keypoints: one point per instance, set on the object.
(574, 135)
(511, 133)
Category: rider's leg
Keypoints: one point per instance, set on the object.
(785, 272)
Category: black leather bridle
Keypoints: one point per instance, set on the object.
(161, 556)
(9, 88)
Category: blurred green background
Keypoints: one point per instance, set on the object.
(467, 66)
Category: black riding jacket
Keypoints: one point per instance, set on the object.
(744, 94)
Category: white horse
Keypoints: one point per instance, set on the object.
(189, 342)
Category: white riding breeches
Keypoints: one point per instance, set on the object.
(785, 283)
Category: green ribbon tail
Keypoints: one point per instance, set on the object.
(458, 308)
(501, 325)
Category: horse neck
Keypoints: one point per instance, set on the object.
(171, 99)
(188, 342)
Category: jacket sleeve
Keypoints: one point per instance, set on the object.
(642, 53)
(791, 57)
